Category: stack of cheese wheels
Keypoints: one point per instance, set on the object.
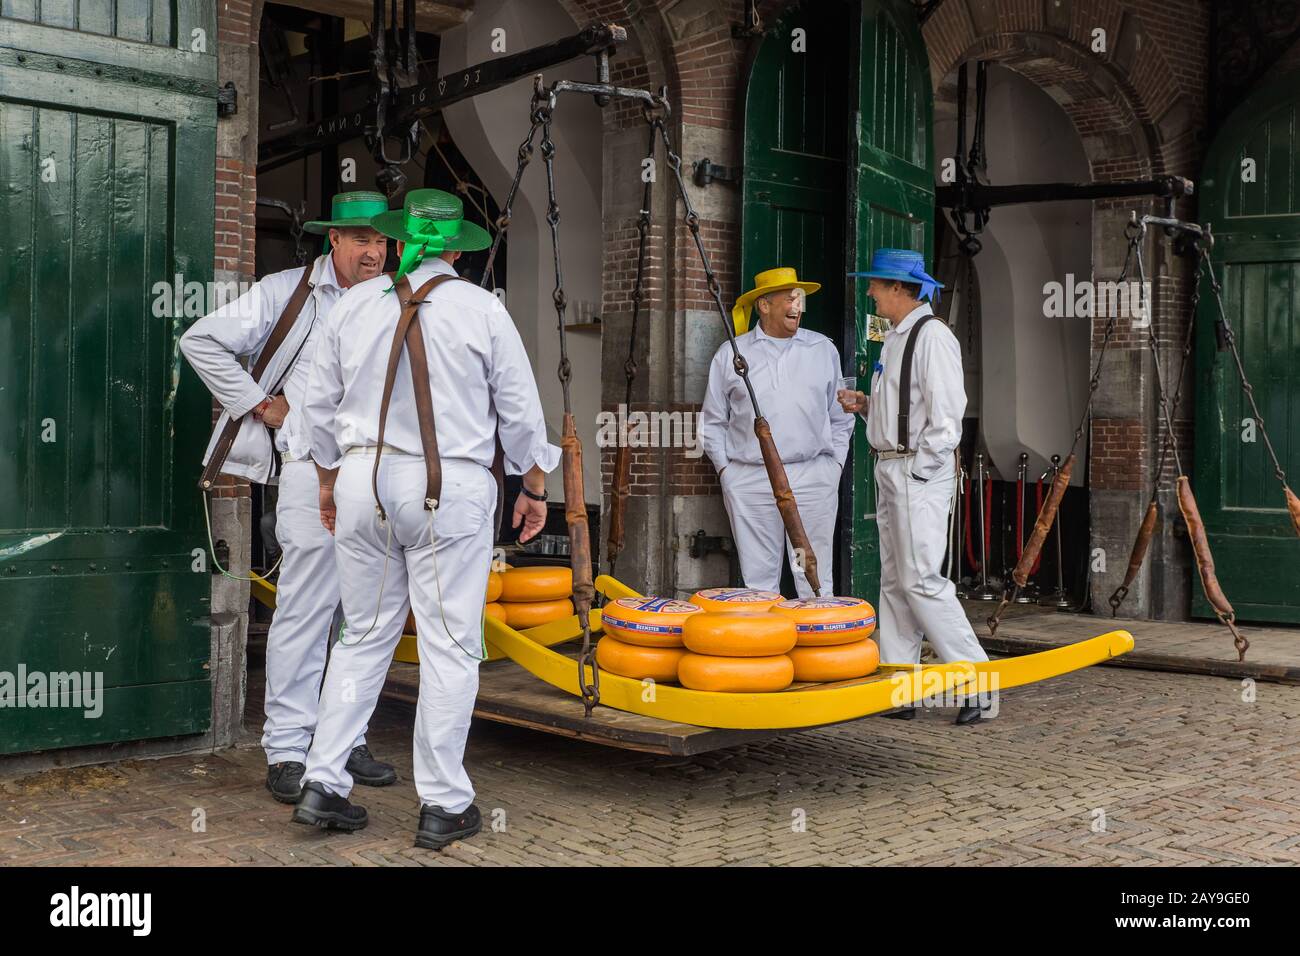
(493, 607)
(534, 596)
(737, 652)
(643, 637)
(734, 600)
(834, 637)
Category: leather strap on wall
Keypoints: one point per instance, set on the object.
(1205, 565)
(1140, 545)
(785, 503)
(278, 334)
(408, 333)
(905, 384)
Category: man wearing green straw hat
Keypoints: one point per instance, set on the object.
(397, 547)
(276, 324)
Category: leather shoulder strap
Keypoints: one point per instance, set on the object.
(409, 333)
(905, 384)
(286, 321)
(278, 334)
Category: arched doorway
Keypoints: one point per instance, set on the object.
(1251, 195)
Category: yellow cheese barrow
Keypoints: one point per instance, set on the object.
(803, 705)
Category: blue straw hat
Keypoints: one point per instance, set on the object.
(902, 265)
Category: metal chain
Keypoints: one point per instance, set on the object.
(630, 367)
(1134, 231)
(1231, 340)
(692, 220)
(543, 110)
(1169, 440)
(503, 220)
(1162, 393)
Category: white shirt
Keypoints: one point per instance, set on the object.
(215, 344)
(479, 374)
(938, 393)
(795, 380)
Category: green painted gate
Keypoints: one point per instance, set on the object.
(829, 177)
(107, 149)
(1257, 257)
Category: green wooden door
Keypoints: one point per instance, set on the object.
(1251, 196)
(829, 177)
(892, 202)
(107, 157)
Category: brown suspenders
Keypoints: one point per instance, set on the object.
(905, 385)
(278, 334)
(408, 332)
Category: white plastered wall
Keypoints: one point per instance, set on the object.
(488, 130)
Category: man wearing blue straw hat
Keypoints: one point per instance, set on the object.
(913, 422)
(411, 504)
(276, 325)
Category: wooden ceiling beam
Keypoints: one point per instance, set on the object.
(431, 16)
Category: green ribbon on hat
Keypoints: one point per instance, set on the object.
(435, 232)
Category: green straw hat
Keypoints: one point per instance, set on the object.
(348, 210)
(430, 221)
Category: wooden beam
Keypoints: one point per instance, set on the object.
(431, 16)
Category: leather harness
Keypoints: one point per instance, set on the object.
(408, 332)
(905, 387)
(278, 334)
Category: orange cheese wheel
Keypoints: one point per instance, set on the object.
(648, 621)
(736, 675)
(734, 600)
(829, 620)
(493, 588)
(495, 610)
(738, 635)
(629, 660)
(536, 584)
(521, 616)
(836, 662)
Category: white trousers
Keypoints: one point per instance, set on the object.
(756, 523)
(916, 599)
(306, 599)
(392, 568)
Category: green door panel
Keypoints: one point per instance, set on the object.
(892, 204)
(838, 148)
(796, 132)
(107, 157)
(1256, 222)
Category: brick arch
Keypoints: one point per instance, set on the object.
(1124, 103)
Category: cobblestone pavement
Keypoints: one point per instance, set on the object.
(1104, 766)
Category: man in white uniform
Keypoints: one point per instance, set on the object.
(397, 554)
(307, 593)
(795, 373)
(915, 472)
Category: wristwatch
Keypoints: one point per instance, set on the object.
(528, 494)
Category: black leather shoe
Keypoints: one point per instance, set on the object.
(903, 713)
(972, 714)
(317, 807)
(368, 771)
(439, 828)
(284, 780)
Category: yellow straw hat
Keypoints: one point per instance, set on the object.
(773, 280)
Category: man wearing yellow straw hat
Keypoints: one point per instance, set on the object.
(405, 539)
(795, 373)
(277, 324)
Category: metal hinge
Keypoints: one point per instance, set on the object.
(706, 171)
(227, 100)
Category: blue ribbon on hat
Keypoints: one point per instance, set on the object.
(902, 265)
